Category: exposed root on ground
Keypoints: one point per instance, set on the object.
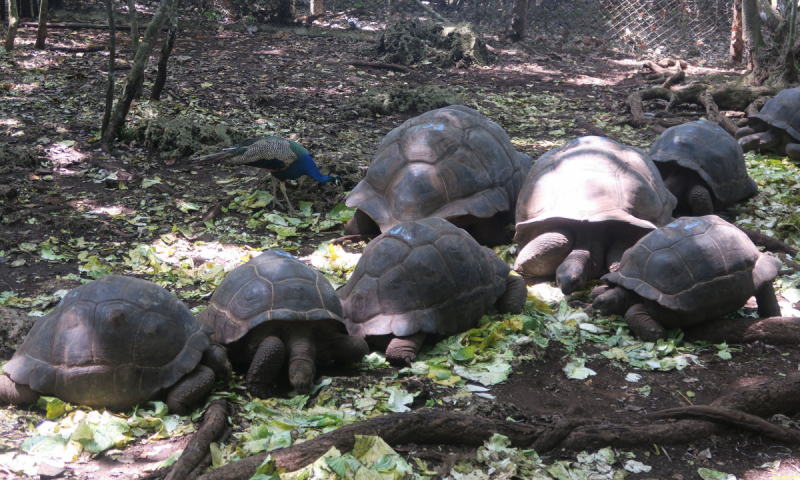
(773, 330)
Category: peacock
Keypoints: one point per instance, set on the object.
(284, 159)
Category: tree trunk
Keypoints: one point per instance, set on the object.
(790, 71)
(136, 76)
(753, 41)
(41, 34)
(166, 51)
(519, 16)
(13, 24)
(317, 7)
(737, 41)
(285, 11)
(112, 51)
(134, 20)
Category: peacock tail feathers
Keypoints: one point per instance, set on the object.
(265, 148)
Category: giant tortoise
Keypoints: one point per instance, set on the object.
(703, 166)
(451, 163)
(685, 273)
(582, 205)
(425, 277)
(116, 342)
(275, 303)
(776, 127)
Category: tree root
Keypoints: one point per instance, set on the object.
(771, 244)
(381, 65)
(439, 427)
(581, 122)
(773, 330)
(196, 450)
(732, 417)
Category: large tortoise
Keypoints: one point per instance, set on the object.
(275, 303)
(582, 205)
(114, 343)
(703, 166)
(425, 277)
(690, 271)
(451, 163)
(776, 127)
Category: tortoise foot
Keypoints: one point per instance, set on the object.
(699, 199)
(403, 350)
(266, 365)
(190, 389)
(513, 299)
(643, 325)
(793, 151)
(13, 393)
(340, 347)
(767, 301)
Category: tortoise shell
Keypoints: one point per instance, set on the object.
(783, 112)
(592, 179)
(114, 342)
(706, 148)
(446, 163)
(698, 267)
(422, 276)
(273, 286)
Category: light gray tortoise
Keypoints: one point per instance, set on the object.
(690, 271)
(776, 127)
(582, 205)
(703, 166)
(114, 343)
(273, 305)
(451, 163)
(425, 277)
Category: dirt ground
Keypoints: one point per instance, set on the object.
(66, 202)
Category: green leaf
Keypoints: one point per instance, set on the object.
(55, 407)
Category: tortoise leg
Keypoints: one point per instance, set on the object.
(14, 393)
(403, 350)
(216, 358)
(302, 354)
(266, 365)
(793, 151)
(699, 199)
(361, 224)
(190, 389)
(542, 255)
(584, 262)
(613, 300)
(614, 254)
(767, 302)
(513, 299)
(643, 325)
(675, 182)
(743, 132)
(340, 347)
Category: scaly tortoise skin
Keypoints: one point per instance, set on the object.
(275, 303)
(776, 127)
(703, 166)
(425, 277)
(114, 343)
(690, 271)
(451, 163)
(582, 205)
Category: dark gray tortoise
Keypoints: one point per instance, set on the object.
(451, 163)
(690, 271)
(703, 166)
(776, 127)
(114, 343)
(582, 205)
(425, 277)
(276, 304)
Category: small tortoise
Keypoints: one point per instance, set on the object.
(451, 163)
(275, 303)
(690, 271)
(776, 127)
(582, 205)
(114, 343)
(703, 166)
(425, 277)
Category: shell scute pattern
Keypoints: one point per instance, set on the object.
(114, 342)
(273, 286)
(783, 111)
(445, 163)
(423, 276)
(699, 267)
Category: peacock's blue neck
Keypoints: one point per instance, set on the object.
(302, 166)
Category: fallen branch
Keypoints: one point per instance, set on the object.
(732, 417)
(713, 115)
(581, 122)
(674, 79)
(773, 330)
(198, 447)
(95, 26)
(771, 244)
(384, 66)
